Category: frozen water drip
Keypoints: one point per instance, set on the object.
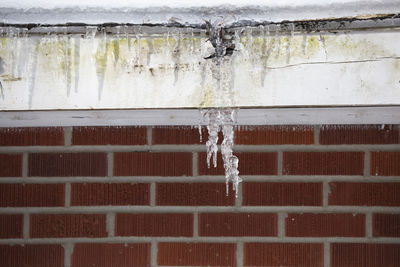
(223, 120)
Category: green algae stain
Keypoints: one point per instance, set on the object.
(313, 43)
(158, 43)
(101, 57)
(207, 100)
(113, 47)
(65, 52)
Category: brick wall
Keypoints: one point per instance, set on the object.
(131, 196)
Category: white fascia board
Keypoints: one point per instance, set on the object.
(193, 117)
(185, 12)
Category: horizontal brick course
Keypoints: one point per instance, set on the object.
(195, 194)
(325, 225)
(274, 135)
(98, 194)
(124, 255)
(67, 164)
(11, 226)
(111, 135)
(365, 255)
(359, 134)
(34, 136)
(250, 163)
(283, 254)
(152, 164)
(281, 194)
(323, 163)
(386, 225)
(196, 254)
(154, 224)
(364, 194)
(67, 225)
(31, 195)
(32, 255)
(385, 163)
(10, 165)
(237, 224)
(182, 135)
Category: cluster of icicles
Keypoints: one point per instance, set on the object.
(222, 120)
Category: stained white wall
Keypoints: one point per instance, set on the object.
(168, 70)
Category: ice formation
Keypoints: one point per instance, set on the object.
(223, 120)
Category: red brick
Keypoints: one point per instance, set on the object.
(121, 135)
(152, 164)
(182, 135)
(10, 165)
(67, 164)
(154, 225)
(11, 226)
(35, 136)
(98, 194)
(385, 163)
(124, 255)
(386, 225)
(32, 255)
(323, 163)
(283, 254)
(250, 163)
(364, 194)
(325, 225)
(196, 254)
(282, 194)
(67, 225)
(274, 135)
(365, 255)
(237, 224)
(31, 195)
(359, 134)
(196, 194)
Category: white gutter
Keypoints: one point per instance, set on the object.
(185, 12)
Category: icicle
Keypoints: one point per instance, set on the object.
(289, 43)
(15, 52)
(213, 128)
(150, 51)
(101, 63)
(66, 41)
(77, 49)
(2, 94)
(138, 39)
(223, 119)
(90, 32)
(32, 66)
(304, 44)
(199, 126)
(322, 39)
(176, 54)
(23, 54)
(278, 39)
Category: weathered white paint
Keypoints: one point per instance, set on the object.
(275, 116)
(168, 70)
